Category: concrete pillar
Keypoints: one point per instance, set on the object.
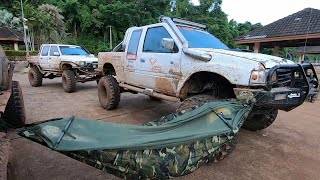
(276, 50)
(256, 47)
(16, 46)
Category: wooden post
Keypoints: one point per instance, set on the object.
(276, 50)
(16, 46)
(256, 47)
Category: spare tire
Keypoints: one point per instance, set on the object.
(14, 113)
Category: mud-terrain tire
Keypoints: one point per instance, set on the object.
(109, 92)
(260, 118)
(196, 100)
(69, 81)
(4, 157)
(35, 77)
(14, 113)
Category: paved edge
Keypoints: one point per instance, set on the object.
(30, 160)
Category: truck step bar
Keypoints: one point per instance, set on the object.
(149, 93)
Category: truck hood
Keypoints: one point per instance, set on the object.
(88, 59)
(267, 60)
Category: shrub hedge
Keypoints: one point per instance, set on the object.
(20, 53)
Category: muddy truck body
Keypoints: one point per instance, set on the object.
(178, 60)
(72, 63)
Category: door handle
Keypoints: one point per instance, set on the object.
(142, 60)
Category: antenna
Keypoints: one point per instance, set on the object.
(306, 41)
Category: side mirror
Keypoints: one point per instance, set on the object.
(91, 55)
(168, 43)
(56, 53)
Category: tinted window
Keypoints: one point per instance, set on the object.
(73, 50)
(201, 39)
(134, 42)
(45, 51)
(53, 49)
(153, 41)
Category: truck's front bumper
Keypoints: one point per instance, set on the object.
(299, 83)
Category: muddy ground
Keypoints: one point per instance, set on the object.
(289, 149)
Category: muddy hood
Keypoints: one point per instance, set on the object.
(87, 59)
(267, 60)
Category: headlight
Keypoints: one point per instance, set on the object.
(258, 77)
(82, 63)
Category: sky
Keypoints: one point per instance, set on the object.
(263, 11)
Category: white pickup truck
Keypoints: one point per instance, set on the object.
(178, 60)
(72, 63)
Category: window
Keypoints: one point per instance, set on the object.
(45, 51)
(73, 50)
(201, 39)
(134, 42)
(153, 41)
(53, 49)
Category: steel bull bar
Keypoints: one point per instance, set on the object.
(287, 87)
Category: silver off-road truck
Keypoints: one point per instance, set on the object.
(72, 63)
(178, 60)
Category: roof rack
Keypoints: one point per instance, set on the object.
(182, 22)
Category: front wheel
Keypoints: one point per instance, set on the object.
(69, 81)
(35, 77)
(260, 118)
(109, 92)
(194, 101)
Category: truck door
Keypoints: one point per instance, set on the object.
(53, 60)
(158, 67)
(43, 59)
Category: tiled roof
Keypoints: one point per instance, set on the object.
(298, 23)
(9, 34)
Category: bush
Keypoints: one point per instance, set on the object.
(19, 53)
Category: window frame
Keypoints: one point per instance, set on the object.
(52, 47)
(176, 48)
(131, 55)
(46, 46)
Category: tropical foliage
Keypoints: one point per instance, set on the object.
(87, 22)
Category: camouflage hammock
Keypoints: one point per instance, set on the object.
(172, 146)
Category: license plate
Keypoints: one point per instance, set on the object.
(280, 96)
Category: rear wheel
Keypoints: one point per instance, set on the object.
(260, 118)
(35, 77)
(14, 114)
(109, 92)
(69, 81)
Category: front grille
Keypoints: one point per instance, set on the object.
(284, 77)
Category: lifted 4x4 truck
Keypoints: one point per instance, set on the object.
(178, 60)
(72, 63)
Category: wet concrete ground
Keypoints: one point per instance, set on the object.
(289, 149)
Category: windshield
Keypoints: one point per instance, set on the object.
(201, 39)
(73, 50)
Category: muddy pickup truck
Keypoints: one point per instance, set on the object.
(72, 63)
(178, 60)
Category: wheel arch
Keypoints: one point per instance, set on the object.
(108, 69)
(197, 83)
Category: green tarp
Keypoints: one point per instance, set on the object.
(171, 146)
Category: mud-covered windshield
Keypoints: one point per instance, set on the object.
(201, 39)
(73, 50)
